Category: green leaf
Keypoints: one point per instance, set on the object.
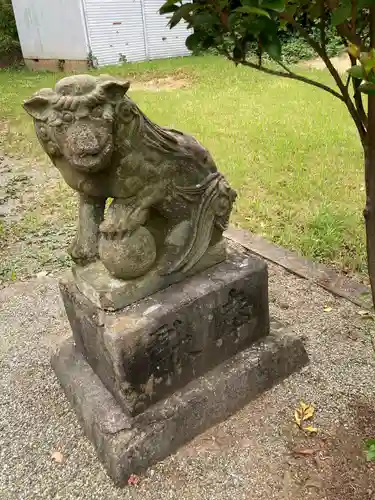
(273, 49)
(356, 72)
(277, 5)
(315, 11)
(371, 454)
(367, 61)
(168, 6)
(167, 9)
(370, 449)
(291, 10)
(250, 3)
(252, 10)
(367, 88)
(208, 42)
(341, 14)
(271, 44)
(193, 41)
(362, 4)
(182, 13)
(256, 26)
(205, 19)
(169, 2)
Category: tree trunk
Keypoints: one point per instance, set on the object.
(369, 150)
(369, 212)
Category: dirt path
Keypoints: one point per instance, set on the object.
(341, 63)
(248, 457)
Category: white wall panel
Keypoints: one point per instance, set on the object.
(160, 40)
(115, 30)
(51, 29)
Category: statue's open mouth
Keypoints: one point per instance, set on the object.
(95, 161)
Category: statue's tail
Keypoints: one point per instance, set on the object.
(213, 199)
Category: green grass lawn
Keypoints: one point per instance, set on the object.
(290, 150)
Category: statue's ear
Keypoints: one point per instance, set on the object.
(114, 90)
(37, 107)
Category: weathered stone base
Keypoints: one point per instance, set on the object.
(148, 350)
(56, 65)
(111, 294)
(127, 445)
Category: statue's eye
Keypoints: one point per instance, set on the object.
(43, 134)
(68, 117)
(97, 112)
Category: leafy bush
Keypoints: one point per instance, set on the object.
(295, 49)
(8, 30)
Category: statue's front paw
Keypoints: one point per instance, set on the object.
(107, 227)
(136, 219)
(82, 253)
(117, 228)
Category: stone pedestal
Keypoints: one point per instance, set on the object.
(149, 377)
(148, 350)
(171, 333)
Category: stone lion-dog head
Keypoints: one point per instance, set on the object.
(76, 119)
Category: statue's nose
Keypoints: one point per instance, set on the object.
(82, 140)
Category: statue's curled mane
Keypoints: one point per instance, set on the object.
(141, 131)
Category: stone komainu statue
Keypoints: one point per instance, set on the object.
(169, 203)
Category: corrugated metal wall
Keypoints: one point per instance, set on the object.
(131, 30)
(51, 29)
(115, 30)
(160, 40)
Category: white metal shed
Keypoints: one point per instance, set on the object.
(70, 32)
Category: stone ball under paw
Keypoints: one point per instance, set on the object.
(130, 256)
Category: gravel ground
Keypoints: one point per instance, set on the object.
(250, 456)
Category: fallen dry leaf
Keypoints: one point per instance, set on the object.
(310, 428)
(365, 314)
(133, 480)
(304, 451)
(303, 405)
(301, 416)
(308, 413)
(58, 457)
(298, 417)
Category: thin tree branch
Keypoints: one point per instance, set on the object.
(285, 67)
(341, 85)
(289, 74)
(344, 29)
(322, 24)
(358, 96)
(356, 82)
(348, 78)
(354, 17)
